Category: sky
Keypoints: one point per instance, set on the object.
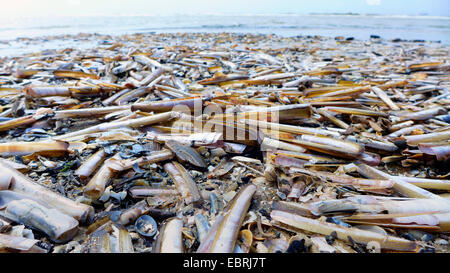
(45, 8)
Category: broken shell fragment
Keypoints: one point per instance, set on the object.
(20, 244)
(109, 238)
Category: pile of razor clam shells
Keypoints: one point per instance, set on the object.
(226, 143)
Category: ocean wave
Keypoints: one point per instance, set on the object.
(218, 14)
(353, 24)
(232, 26)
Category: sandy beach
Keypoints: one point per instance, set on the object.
(121, 143)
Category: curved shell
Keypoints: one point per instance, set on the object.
(60, 227)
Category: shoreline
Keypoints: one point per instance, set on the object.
(31, 45)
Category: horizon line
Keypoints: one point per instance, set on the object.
(420, 15)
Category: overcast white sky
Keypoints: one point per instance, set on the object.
(43, 8)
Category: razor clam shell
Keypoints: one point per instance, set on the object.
(58, 226)
(24, 185)
(170, 237)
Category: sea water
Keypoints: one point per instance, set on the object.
(429, 28)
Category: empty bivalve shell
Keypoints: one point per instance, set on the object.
(146, 226)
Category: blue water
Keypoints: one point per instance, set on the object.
(357, 26)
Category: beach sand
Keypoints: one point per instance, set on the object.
(104, 104)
